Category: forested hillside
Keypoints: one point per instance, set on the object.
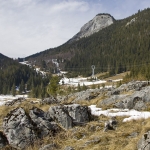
(14, 75)
(117, 48)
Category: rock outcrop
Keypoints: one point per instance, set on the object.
(43, 124)
(138, 100)
(87, 95)
(49, 100)
(134, 85)
(111, 100)
(23, 129)
(18, 129)
(98, 23)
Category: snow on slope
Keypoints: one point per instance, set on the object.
(6, 98)
(81, 81)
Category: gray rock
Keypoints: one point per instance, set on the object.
(43, 124)
(69, 148)
(98, 23)
(61, 98)
(49, 100)
(110, 124)
(112, 100)
(134, 85)
(69, 115)
(61, 115)
(49, 147)
(18, 129)
(133, 135)
(88, 94)
(79, 114)
(3, 140)
(95, 140)
(137, 100)
(144, 142)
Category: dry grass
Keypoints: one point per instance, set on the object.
(83, 137)
(118, 76)
(90, 136)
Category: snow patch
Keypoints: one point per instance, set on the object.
(132, 114)
(6, 98)
(81, 81)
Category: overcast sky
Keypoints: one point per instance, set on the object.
(31, 26)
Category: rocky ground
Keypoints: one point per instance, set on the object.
(67, 123)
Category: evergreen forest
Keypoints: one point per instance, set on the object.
(120, 47)
(16, 78)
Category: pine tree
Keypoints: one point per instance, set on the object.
(53, 86)
(84, 87)
(5, 89)
(79, 88)
(22, 87)
(13, 90)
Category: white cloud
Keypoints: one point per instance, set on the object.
(68, 6)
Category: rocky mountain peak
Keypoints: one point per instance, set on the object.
(99, 22)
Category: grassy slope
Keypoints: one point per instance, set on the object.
(79, 137)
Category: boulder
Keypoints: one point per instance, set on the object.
(3, 140)
(144, 142)
(18, 129)
(79, 114)
(69, 115)
(43, 124)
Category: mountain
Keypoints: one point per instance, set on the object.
(98, 23)
(116, 48)
(2, 56)
(5, 61)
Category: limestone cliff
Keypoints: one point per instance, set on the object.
(99, 22)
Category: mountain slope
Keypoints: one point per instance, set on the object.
(13, 74)
(2, 56)
(116, 48)
(5, 61)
